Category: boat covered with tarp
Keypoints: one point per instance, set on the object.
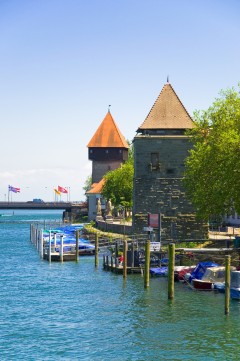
(235, 285)
(211, 276)
(67, 235)
(200, 269)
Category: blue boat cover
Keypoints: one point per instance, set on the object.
(200, 269)
(158, 271)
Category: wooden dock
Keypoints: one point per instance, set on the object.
(110, 264)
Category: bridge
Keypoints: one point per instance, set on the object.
(46, 205)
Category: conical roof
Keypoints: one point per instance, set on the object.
(96, 187)
(167, 112)
(108, 135)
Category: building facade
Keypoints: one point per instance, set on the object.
(161, 146)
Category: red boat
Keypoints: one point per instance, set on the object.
(181, 271)
(202, 285)
(211, 276)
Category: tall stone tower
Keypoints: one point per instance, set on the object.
(160, 149)
(107, 150)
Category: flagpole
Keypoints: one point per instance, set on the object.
(8, 194)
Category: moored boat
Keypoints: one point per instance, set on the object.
(158, 271)
(212, 276)
(181, 271)
(235, 285)
(199, 270)
(67, 235)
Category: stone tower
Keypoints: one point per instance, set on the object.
(107, 150)
(160, 149)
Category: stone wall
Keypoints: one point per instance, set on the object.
(160, 189)
(115, 227)
(100, 168)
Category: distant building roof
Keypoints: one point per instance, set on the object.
(108, 135)
(167, 112)
(96, 188)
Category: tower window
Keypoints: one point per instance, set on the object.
(154, 164)
(155, 160)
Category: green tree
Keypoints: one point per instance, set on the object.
(87, 184)
(118, 185)
(212, 173)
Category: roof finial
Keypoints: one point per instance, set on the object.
(109, 108)
(168, 79)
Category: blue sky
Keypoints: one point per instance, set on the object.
(63, 62)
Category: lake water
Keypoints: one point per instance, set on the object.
(72, 311)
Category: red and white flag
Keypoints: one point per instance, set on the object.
(62, 189)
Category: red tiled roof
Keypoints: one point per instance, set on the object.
(167, 112)
(108, 135)
(96, 187)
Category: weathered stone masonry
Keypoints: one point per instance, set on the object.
(159, 156)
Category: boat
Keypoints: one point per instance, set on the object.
(212, 276)
(158, 271)
(181, 271)
(199, 270)
(67, 235)
(83, 248)
(219, 286)
(235, 285)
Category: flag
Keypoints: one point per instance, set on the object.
(57, 192)
(62, 190)
(13, 189)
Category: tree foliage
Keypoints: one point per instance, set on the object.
(87, 184)
(212, 175)
(118, 184)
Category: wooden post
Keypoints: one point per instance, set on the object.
(36, 233)
(147, 264)
(96, 250)
(133, 258)
(227, 284)
(55, 240)
(49, 250)
(41, 243)
(36, 239)
(61, 249)
(116, 255)
(31, 232)
(77, 245)
(171, 262)
(125, 247)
